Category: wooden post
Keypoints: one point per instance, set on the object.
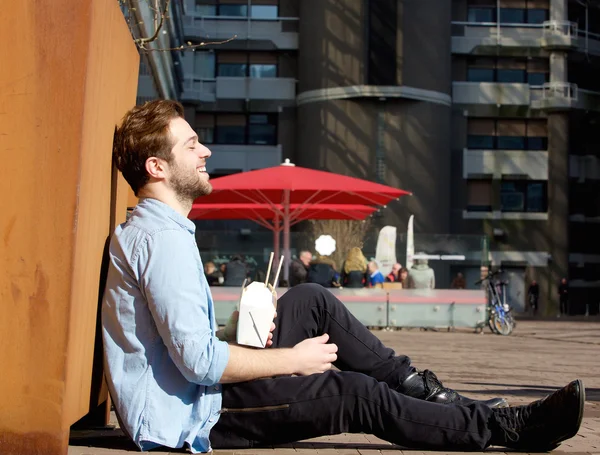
(68, 74)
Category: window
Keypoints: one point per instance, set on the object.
(204, 65)
(512, 15)
(523, 196)
(537, 78)
(203, 9)
(263, 70)
(254, 129)
(511, 75)
(537, 15)
(507, 134)
(264, 11)
(480, 75)
(479, 195)
(233, 10)
(231, 129)
(262, 129)
(232, 69)
(508, 70)
(481, 15)
(480, 142)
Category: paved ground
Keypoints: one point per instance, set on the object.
(538, 358)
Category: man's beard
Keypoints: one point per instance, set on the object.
(187, 186)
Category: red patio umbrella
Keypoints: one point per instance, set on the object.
(286, 186)
(268, 215)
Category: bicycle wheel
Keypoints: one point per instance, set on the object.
(502, 325)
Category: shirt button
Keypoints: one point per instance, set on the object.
(211, 420)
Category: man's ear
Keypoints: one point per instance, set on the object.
(155, 167)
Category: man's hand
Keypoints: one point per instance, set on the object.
(229, 333)
(314, 355)
(270, 337)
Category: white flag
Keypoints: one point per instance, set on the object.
(385, 255)
(410, 243)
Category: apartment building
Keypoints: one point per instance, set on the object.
(485, 109)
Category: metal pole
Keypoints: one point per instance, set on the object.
(286, 235)
(276, 242)
(497, 22)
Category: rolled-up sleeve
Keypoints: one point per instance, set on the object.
(170, 277)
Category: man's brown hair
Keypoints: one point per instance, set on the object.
(144, 133)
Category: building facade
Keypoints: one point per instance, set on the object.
(485, 109)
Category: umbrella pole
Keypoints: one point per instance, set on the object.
(276, 241)
(286, 235)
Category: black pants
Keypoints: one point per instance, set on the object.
(564, 305)
(359, 399)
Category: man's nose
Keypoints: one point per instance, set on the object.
(204, 152)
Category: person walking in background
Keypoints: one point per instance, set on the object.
(421, 275)
(299, 268)
(458, 282)
(354, 269)
(533, 296)
(563, 296)
(376, 278)
(394, 275)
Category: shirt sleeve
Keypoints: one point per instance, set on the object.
(170, 278)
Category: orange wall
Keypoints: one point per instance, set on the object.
(68, 74)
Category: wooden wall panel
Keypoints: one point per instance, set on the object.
(68, 74)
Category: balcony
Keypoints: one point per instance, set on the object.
(498, 163)
(282, 32)
(511, 94)
(243, 157)
(483, 37)
(199, 90)
(240, 88)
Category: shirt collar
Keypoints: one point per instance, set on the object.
(170, 212)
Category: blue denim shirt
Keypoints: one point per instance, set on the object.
(162, 357)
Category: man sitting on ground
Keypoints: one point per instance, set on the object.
(176, 381)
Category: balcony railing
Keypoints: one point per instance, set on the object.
(466, 36)
(492, 93)
(281, 31)
(554, 96)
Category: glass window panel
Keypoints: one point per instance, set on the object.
(512, 198)
(262, 70)
(512, 15)
(537, 143)
(511, 142)
(537, 15)
(536, 197)
(205, 10)
(232, 69)
(480, 142)
(510, 75)
(206, 135)
(262, 134)
(204, 65)
(480, 15)
(259, 119)
(537, 78)
(264, 11)
(231, 134)
(480, 75)
(233, 10)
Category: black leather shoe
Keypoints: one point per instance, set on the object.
(426, 386)
(543, 424)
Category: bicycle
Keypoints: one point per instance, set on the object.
(500, 318)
